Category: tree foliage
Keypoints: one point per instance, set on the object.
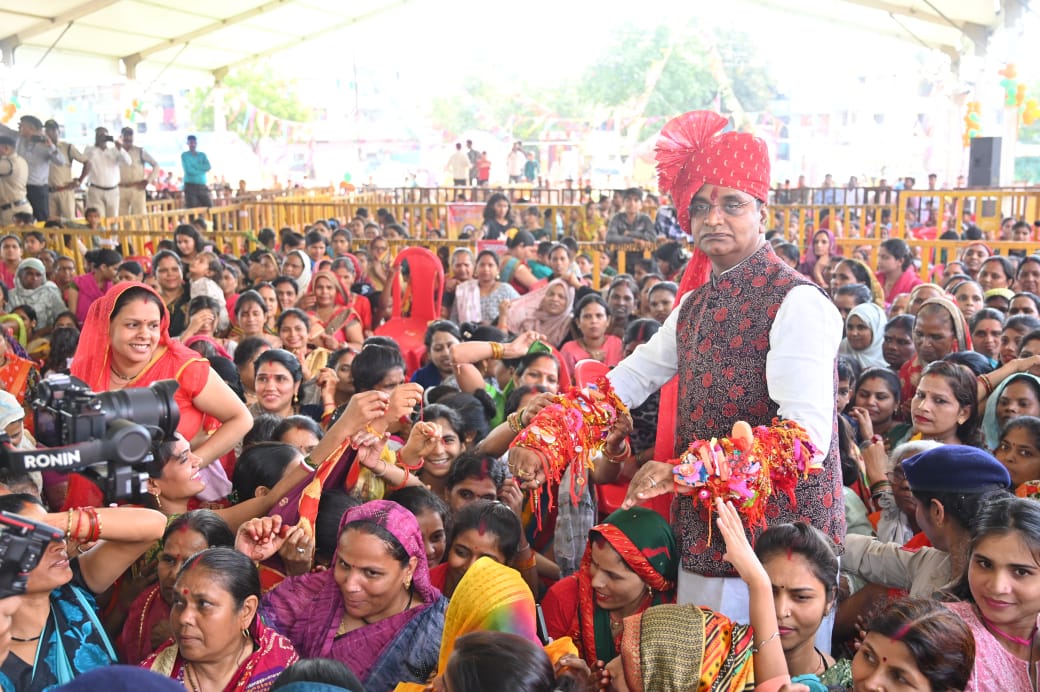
(639, 73)
(259, 86)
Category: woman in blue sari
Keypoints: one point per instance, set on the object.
(375, 610)
(56, 633)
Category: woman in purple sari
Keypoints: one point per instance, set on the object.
(375, 610)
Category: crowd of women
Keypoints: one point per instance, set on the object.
(327, 515)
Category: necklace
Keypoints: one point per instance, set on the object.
(823, 661)
(192, 677)
(27, 639)
(1021, 641)
(596, 353)
(119, 375)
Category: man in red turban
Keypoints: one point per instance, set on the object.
(751, 340)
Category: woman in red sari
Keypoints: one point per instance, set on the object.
(219, 642)
(334, 312)
(125, 342)
(896, 269)
(938, 317)
(630, 564)
(148, 623)
(18, 375)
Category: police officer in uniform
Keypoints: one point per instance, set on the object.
(14, 172)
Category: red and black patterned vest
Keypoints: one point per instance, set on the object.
(722, 341)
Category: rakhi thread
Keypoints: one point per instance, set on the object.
(570, 433)
(746, 467)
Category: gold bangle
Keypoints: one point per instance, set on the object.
(496, 350)
(514, 422)
(621, 456)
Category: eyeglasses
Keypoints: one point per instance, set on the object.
(700, 210)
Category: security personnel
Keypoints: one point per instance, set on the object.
(14, 172)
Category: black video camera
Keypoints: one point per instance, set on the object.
(22, 544)
(108, 436)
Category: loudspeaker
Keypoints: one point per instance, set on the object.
(984, 162)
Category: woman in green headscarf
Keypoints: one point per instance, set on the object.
(630, 564)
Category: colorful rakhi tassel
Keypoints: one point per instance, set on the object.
(570, 432)
(747, 467)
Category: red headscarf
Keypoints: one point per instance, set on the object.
(344, 297)
(358, 278)
(691, 152)
(93, 358)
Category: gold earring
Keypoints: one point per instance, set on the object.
(158, 504)
(245, 634)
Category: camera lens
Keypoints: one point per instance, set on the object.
(151, 406)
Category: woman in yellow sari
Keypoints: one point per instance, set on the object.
(18, 374)
(493, 597)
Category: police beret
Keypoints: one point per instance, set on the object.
(955, 468)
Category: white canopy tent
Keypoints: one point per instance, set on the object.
(144, 38)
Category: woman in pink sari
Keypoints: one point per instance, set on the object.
(1000, 600)
(386, 628)
(820, 257)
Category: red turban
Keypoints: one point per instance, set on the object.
(691, 152)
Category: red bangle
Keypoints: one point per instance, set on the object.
(400, 462)
(79, 518)
(404, 482)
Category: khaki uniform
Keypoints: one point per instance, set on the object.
(14, 172)
(131, 198)
(921, 572)
(63, 202)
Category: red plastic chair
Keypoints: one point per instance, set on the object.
(144, 260)
(426, 280)
(587, 371)
(609, 496)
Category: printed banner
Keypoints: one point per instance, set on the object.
(464, 218)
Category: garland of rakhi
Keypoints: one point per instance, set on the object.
(1030, 490)
(747, 467)
(569, 433)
